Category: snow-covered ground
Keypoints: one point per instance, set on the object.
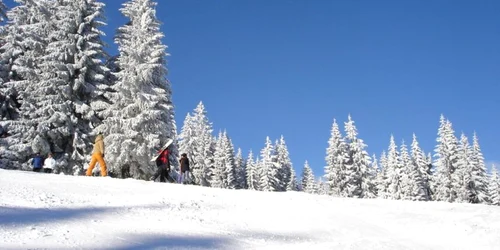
(54, 211)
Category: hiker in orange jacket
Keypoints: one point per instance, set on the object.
(98, 156)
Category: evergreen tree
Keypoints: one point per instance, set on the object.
(478, 184)
(252, 175)
(394, 172)
(141, 116)
(197, 141)
(284, 164)
(308, 182)
(269, 179)
(382, 183)
(462, 176)
(359, 175)
(494, 187)
(413, 188)
(293, 184)
(336, 157)
(219, 177)
(241, 173)
(24, 40)
(446, 162)
(420, 162)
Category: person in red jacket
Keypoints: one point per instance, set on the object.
(163, 165)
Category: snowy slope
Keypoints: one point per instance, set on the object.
(55, 211)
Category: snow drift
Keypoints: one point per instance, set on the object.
(57, 211)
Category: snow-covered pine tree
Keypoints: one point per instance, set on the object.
(308, 182)
(478, 185)
(422, 164)
(322, 187)
(413, 188)
(462, 176)
(394, 172)
(494, 187)
(293, 184)
(252, 175)
(218, 174)
(359, 175)
(382, 176)
(229, 166)
(241, 172)
(141, 117)
(336, 157)
(269, 170)
(23, 45)
(197, 141)
(72, 82)
(284, 164)
(446, 153)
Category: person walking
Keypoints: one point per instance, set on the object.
(184, 175)
(49, 164)
(98, 156)
(163, 166)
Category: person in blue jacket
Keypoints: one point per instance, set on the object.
(37, 162)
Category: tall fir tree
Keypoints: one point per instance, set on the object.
(420, 162)
(336, 158)
(445, 163)
(494, 187)
(197, 141)
(252, 175)
(24, 42)
(284, 164)
(141, 117)
(308, 182)
(241, 173)
(478, 184)
(394, 182)
(269, 178)
(359, 175)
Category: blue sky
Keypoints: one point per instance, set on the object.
(288, 67)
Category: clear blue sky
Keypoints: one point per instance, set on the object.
(267, 68)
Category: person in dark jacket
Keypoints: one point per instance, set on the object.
(163, 165)
(184, 175)
(37, 162)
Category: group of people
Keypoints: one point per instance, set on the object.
(162, 163)
(39, 163)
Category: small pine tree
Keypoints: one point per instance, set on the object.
(269, 179)
(446, 153)
(394, 172)
(284, 164)
(336, 158)
(241, 173)
(308, 182)
(359, 175)
(252, 175)
(293, 184)
(479, 178)
(494, 187)
(422, 164)
(382, 177)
